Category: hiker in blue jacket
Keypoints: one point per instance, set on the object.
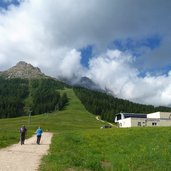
(39, 134)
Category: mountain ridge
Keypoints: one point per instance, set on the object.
(84, 82)
(23, 70)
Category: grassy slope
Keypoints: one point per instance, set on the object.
(74, 117)
(79, 144)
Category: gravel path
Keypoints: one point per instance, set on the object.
(25, 157)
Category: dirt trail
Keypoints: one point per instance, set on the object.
(25, 157)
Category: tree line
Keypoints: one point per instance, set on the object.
(12, 95)
(107, 106)
(39, 95)
(45, 96)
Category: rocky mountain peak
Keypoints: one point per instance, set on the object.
(24, 65)
(23, 70)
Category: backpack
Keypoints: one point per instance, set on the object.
(22, 130)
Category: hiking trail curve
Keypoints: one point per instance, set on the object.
(25, 157)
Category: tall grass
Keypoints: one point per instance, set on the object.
(132, 149)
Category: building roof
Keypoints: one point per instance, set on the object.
(134, 115)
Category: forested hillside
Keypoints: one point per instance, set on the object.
(20, 96)
(107, 106)
(12, 95)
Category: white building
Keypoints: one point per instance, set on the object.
(125, 120)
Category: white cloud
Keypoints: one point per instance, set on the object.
(31, 33)
(48, 34)
(114, 71)
(70, 65)
(74, 24)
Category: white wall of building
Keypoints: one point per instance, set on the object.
(154, 115)
(158, 122)
(152, 122)
(166, 115)
(153, 119)
(165, 123)
(125, 123)
(138, 122)
(132, 122)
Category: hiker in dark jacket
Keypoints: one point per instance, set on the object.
(23, 131)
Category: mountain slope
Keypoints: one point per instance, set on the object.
(82, 82)
(107, 106)
(23, 70)
(24, 88)
(20, 96)
(31, 90)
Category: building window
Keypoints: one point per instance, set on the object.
(118, 117)
(139, 123)
(154, 123)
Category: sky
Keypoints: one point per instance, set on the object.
(123, 46)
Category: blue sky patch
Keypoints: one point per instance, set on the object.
(134, 46)
(152, 42)
(86, 55)
(6, 4)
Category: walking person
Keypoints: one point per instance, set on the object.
(39, 134)
(23, 131)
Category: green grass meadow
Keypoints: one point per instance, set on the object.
(79, 144)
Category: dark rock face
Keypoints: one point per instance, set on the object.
(87, 83)
(84, 82)
(23, 70)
